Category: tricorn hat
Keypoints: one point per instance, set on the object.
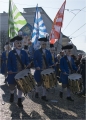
(67, 47)
(7, 43)
(43, 39)
(16, 38)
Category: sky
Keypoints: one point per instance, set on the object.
(74, 23)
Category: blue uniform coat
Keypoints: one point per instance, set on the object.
(12, 64)
(64, 68)
(38, 62)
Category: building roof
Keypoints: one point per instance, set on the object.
(33, 9)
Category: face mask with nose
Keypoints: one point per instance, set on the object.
(18, 44)
(43, 44)
(68, 52)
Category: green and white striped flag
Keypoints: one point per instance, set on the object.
(16, 20)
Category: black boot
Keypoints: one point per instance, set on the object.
(70, 99)
(44, 98)
(11, 98)
(36, 95)
(5, 80)
(61, 94)
(19, 103)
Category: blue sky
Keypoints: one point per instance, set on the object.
(72, 12)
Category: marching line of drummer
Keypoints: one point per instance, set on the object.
(14, 61)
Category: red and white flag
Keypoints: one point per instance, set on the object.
(57, 24)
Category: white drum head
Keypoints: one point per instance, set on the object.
(22, 73)
(74, 76)
(47, 71)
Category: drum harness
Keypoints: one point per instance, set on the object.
(18, 58)
(44, 57)
(69, 65)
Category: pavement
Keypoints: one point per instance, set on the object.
(37, 109)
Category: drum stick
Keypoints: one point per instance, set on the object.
(13, 72)
(27, 66)
(52, 66)
(65, 74)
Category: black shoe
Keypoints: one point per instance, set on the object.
(36, 95)
(44, 98)
(19, 103)
(61, 94)
(70, 99)
(11, 98)
(5, 80)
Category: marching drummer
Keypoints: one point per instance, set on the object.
(54, 57)
(4, 58)
(67, 67)
(42, 60)
(17, 58)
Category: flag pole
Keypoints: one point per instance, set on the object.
(8, 22)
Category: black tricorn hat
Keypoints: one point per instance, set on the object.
(67, 47)
(26, 47)
(43, 39)
(51, 45)
(16, 38)
(7, 43)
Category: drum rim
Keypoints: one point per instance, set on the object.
(22, 75)
(52, 71)
(74, 78)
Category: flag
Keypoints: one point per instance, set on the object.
(16, 20)
(57, 24)
(39, 29)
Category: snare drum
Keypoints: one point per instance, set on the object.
(25, 80)
(75, 82)
(49, 78)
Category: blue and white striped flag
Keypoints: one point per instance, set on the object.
(39, 29)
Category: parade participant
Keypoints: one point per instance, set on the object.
(30, 48)
(26, 48)
(4, 58)
(82, 67)
(58, 66)
(58, 57)
(67, 67)
(27, 42)
(30, 59)
(54, 58)
(17, 58)
(79, 57)
(42, 60)
(62, 53)
(74, 57)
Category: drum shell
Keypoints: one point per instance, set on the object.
(27, 83)
(49, 80)
(75, 85)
